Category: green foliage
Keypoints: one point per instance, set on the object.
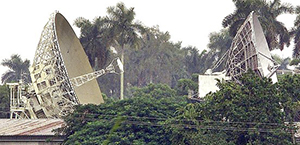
(122, 26)
(193, 60)
(184, 85)
(253, 112)
(296, 33)
(157, 91)
(250, 113)
(17, 69)
(157, 61)
(288, 88)
(219, 44)
(195, 77)
(138, 120)
(124, 31)
(275, 32)
(94, 39)
(4, 101)
(107, 99)
(256, 100)
(295, 62)
(283, 62)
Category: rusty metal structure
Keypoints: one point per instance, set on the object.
(61, 75)
(249, 50)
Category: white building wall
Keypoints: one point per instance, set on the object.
(208, 83)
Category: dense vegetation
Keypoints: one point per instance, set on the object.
(139, 120)
(159, 75)
(150, 56)
(254, 112)
(4, 101)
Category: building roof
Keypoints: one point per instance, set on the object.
(29, 127)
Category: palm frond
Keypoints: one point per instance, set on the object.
(297, 21)
(296, 50)
(9, 76)
(276, 33)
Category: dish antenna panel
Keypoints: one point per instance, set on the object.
(61, 75)
(249, 50)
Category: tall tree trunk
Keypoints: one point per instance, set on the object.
(122, 75)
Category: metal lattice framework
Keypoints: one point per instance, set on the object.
(249, 50)
(61, 75)
(55, 94)
(114, 67)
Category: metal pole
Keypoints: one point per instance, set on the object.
(122, 78)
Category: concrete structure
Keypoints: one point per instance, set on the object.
(30, 131)
(207, 83)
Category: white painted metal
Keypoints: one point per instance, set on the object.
(59, 57)
(111, 68)
(249, 50)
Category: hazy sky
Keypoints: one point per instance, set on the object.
(189, 21)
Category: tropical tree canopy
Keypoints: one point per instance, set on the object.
(296, 33)
(124, 31)
(157, 61)
(256, 112)
(18, 69)
(250, 113)
(276, 33)
(219, 44)
(138, 120)
(122, 26)
(95, 40)
(4, 102)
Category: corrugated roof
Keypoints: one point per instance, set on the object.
(29, 126)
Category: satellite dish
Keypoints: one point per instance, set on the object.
(249, 50)
(59, 58)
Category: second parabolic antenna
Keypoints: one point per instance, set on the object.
(249, 50)
(58, 58)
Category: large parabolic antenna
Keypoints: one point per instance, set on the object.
(58, 58)
(249, 50)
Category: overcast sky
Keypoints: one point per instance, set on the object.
(189, 21)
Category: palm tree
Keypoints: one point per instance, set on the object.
(219, 44)
(267, 12)
(94, 40)
(296, 32)
(123, 30)
(18, 69)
